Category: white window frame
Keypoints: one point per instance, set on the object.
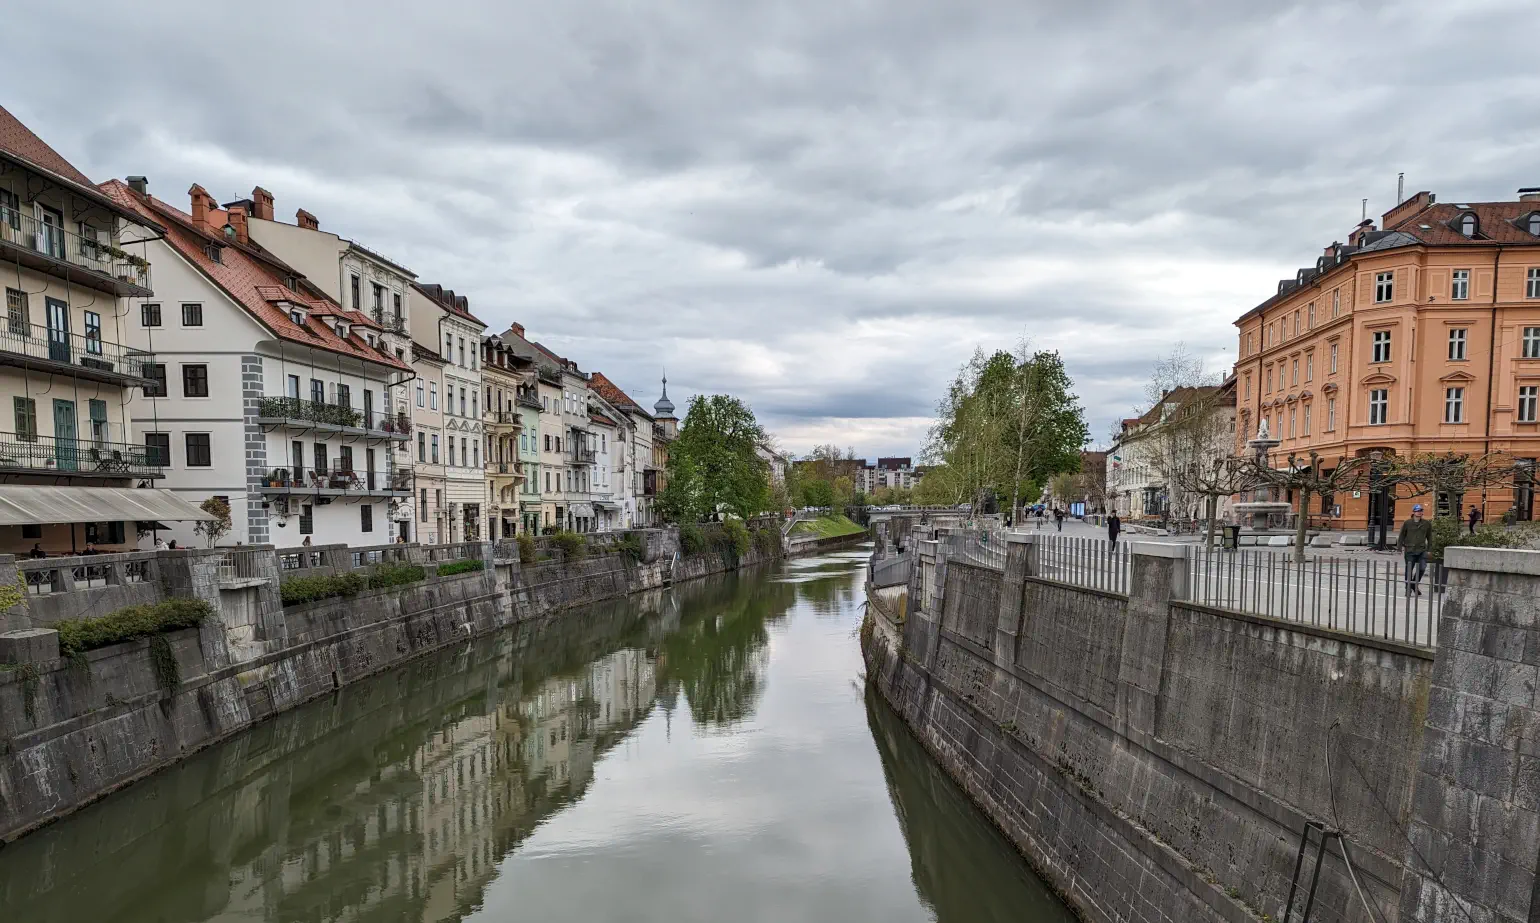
(1529, 403)
(1532, 283)
(1307, 419)
(1454, 404)
(432, 395)
(1380, 347)
(1459, 285)
(1331, 414)
(1379, 406)
(1309, 367)
(1384, 287)
(1336, 302)
(1457, 337)
(1531, 343)
(1333, 359)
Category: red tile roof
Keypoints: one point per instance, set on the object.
(255, 283)
(18, 140)
(1495, 224)
(601, 418)
(611, 392)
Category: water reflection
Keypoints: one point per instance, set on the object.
(737, 760)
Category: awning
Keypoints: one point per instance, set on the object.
(22, 505)
(581, 509)
(607, 504)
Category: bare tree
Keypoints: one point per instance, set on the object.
(1451, 475)
(1308, 477)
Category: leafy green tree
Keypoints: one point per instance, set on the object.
(817, 492)
(713, 465)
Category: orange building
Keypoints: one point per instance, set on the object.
(1420, 336)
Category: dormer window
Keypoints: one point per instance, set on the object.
(212, 252)
(1533, 224)
(1468, 224)
(342, 330)
(297, 316)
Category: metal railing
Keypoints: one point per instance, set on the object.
(455, 551)
(84, 572)
(528, 399)
(348, 480)
(78, 456)
(1089, 562)
(51, 240)
(241, 564)
(388, 320)
(1363, 595)
(85, 351)
(501, 417)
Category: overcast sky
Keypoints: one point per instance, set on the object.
(819, 206)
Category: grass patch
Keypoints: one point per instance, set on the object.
(469, 565)
(828, 527)
(76, 636)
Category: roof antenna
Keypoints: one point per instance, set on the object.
(1400, 188)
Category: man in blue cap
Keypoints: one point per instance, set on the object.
(1415, 538)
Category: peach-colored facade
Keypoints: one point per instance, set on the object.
(1408, 339)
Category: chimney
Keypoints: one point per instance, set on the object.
(237, 218)
(517, 328)
(1527, 194)
(1406, 209)
(202, 205)
(261, 203)
(307, 220)
(139, 184)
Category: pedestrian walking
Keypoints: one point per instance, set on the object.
(1475, 518)
(1039, 519)
(1114, 526)
(1416, 535)
(1058, 518)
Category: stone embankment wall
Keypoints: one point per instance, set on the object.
(1157, 760)
(72, 731)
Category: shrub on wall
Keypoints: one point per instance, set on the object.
(737, 535)
(470, 565)
(309, 589)
(526, 548)
(768, 540)
(691, 538)
(572, 545)
(631, 544)
(76, 636)
(386, 575)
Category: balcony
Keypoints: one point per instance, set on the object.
(49, 248)
(338, 482)
(528, 398)
(505, 471)
(583, 455)
(90, 357)
(297, 413)
(55, 457)
(501, 419)
(390, 321)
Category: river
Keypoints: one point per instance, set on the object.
(704, 753)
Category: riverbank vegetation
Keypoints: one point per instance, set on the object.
(832, 526)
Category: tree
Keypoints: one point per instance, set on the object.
(214, 528)
(714, 465)
(939, 487)
(818, 493)
(1308, 477)
(1008, 423)
(1449, 476)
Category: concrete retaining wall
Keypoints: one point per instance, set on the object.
(72, 732)
(1157, 760)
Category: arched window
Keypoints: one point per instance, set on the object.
(1468, 224)
(1534, 223)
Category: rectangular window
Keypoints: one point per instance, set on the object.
(26, 418)
(1294, 373)
(366, 516)
(1529, 396)
(157, 448)
(93, 333)
(1454, 405)
(1532, 286)
(1336, 301)
(548, 482)
(1384, 287)
(422, 508)
(1297, 328)
(547, 442)
(1250, 344)
(1379, 405)
(476, 455)
(317, 391)
(291, 387)
(422, 446)
(344, 395)
(432, 395)
(1309, 366)
(474, 411)
(297, 457)
(1248, 388)
(449, 348)
(1268, 382)
(462, 359)
(1307, 419)
(450, 443)
(465, 456)
(462, 401)
(1334, 358)
(1331, 414)
(395, 300)
(345, 458)
(149, 315)
(306, 519)
(192, 315)
(379, 298)
(1459, 288)
(156, 372)
(195, 380)
(353, 289)
(1457, 343)
(433, 444)
(320, 458)
(422, 400)
(198, 455)
(1310, 315)
(1532, 342)
(1291, 423)
(1381, 346)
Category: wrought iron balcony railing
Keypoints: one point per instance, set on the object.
(528, 399)
(84, 351)
(84, 457)
(295, 408)
(55, 243)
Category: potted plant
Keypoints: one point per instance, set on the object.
(278, 477)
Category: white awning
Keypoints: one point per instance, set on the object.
(25, 504)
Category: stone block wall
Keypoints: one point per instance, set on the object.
(1157, 760)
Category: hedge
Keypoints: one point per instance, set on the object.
(76, 636)
(297, 590)
(736, 535)
(527, 549)
(572, 545)
(692, 538)
(467, 566)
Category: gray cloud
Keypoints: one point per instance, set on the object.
(822, 207)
